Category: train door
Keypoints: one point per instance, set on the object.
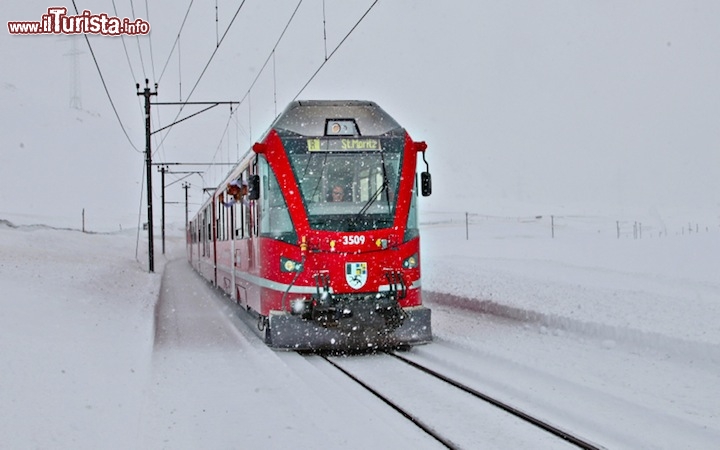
(189, 240)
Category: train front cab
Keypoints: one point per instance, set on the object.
(338, 274)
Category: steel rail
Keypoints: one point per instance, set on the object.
(557, 431)
(420, 424)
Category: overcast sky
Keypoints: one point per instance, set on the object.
(537, 106)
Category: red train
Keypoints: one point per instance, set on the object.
(315, 231)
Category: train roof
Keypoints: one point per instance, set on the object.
(309, 117)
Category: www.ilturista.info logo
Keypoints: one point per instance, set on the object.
(56, 21)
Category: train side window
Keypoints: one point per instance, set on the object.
(237, 221)
(219, 219)
(275, 219)
(224, 219)
(208, 222)
(245, 219)
(411, 229)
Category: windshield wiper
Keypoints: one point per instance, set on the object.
(373, 198)
(385, 184)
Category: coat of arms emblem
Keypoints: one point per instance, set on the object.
(356, 274)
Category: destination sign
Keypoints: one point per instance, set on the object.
(348, 144)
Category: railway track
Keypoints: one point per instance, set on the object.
(384, 393)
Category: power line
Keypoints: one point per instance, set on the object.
(205, 68)
(152, 62)
(122, 38)
(271, 55)
(336, 49)
(215, 51)
(217, 149)
(107, 92)
(324, 31)
(127, 56)
(152, 58)
(271, 52)
(176, 40)
(142, 61)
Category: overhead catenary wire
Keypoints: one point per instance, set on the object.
(152, 57)
(287, 25)
(215, 51)
(327, 57)
(132, 71)
(246, 96)
(127, 55)
(217, 25)
(335, 50)
(137, 39)
(107, 92)
(182, 106)
(159, 146)
(272, 56)
(129, 62)
(247, 93)
(324, 31)
(182, 25)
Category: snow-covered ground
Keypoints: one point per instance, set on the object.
(617, 337)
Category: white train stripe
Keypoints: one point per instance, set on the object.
(282, 287)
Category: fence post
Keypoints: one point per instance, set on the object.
(467, 227)
(552, 226)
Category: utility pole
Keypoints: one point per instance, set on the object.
(148, 163)
(148, 154)
(162, 170)
(186, 186)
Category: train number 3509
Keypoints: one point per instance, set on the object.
(353, 239)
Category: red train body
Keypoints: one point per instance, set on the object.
(317, 270)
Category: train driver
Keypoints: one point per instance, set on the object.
(337, 194)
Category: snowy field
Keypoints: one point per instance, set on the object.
(596, 275)
(618, 334)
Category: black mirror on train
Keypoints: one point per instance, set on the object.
(426, 183)
(254, 187)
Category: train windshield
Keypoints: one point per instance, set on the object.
(348, 186)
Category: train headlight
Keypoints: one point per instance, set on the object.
(288, 265)
(341, 127)
(412, 262)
